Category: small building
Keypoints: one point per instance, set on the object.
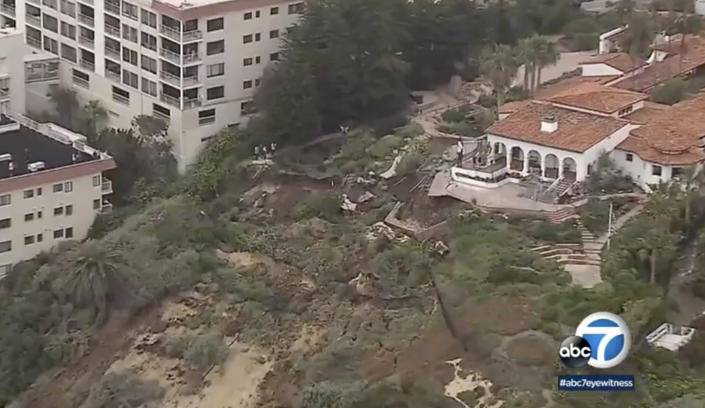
(670, 337)
(51, 188)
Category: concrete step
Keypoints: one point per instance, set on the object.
(556, 251)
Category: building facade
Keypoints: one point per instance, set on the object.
(51, 188)
(12, 93)
(193, 64)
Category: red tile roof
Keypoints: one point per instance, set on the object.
(577, 131)
(513, 106)
(617, 60)
(596, 97)
(563, 85)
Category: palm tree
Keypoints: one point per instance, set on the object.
(525, 56)
(66, 105)
(95, 116)
(694, 181)
(545, 54)
(499, 65)
(639, 35)
(93, 277)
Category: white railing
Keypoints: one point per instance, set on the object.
(34, 20)
(171, 78)
(190, 80)
(191, 57)
(4, 94)
(192, 35)
(89, 42)
(106, 207)
(114, 31)
(191, 103)
(170, 55)
(170, 32)
(107, 186)
(170, 100)
(7, 9)
(113, 53)
(85, 19)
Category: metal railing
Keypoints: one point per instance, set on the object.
(192, 35)
(113, 8)
(115, 76)
(107, 186)
(171, 78)
(190, 80)
(80, 81)
(34, 20)
(170, 55)
(170, 100)
(106, 207)
(114, 31)
(112, 53)
(8, 9)
(121, 99)
(172, 33)
(88, 65)
(85, 19)
(191, 57)
(89, 42)
(191, 103)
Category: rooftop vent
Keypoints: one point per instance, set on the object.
(549, 124)
(38, 165)
(5, 157)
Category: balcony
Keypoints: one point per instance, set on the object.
(115, 76)
(170, 78)
(33, 20)
(113, 8)
(170, 55)
(191, 103)
(4, 94)
(7, 9)
(88, 65)
(86, 19)
(87, 1)
(191, 58)
(37, 2)
(170, 100)
(106, 207)
(190, 80)
(88, 42)
(112, 53)
(106, 187)
(172, 33)
(34, 42)
(114, 31)
(193, 35)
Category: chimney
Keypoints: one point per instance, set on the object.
(549, 124)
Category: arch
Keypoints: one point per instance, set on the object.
(500, 148)
(517, 163)
(551, 166)
(569, 168)
(534, 159)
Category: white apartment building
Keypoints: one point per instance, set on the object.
(51, 188)
(194, 64)
(12, 93)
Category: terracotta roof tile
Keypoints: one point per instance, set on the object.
(596, 97)
(577, 131)
(618, 60)
(513, 106)
(547, 91)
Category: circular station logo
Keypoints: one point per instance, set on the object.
(602, 340)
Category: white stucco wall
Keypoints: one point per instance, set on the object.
(599, 70)
(641, 170)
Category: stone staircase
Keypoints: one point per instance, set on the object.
(561, 215)
(556, 190)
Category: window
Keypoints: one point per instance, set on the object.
(68, 186)
(59, 211)
(28, 193)
(39, 191)
(68, 30)
(69, 232)
(257, 14)
(29, 240)
(676, 172)
(6, 222)
(129, 33)
(207, 116)
(655, 170)
(96, 204)
(215, 24)
(69, 210)
(130, 79)
(58, 233)
(149, 64)
(274, 34)
(257, 60)
(51, 45)
(40, 237)
(29, 217)
(247, 85)
(121, 95)
(248, 107)
(149, 18)
(630, 157)
(129, 55)
(6, 246)
(129, 10)
(50, 23)
(80, 78)
(215, 47)
(248, 15)
(296, 8)
(274, 56)
(258, 82)
(215, 70)
(68, 53)
(160, 110)
(247, 62)
(624, 111)
(50, 3)
(215, 92)
(96, 180)
(149, 87)
(246, 39)
(149, 41)
(258, 36)
(68, 8)
(274, 11)
(58, 187)
(5, 199)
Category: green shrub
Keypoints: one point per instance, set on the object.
(174, 347)
(559, 233)
(461, 128)
(669, 92)
(458, 114)
(319, 204)
(206, 350)
(409, 164)
(409, 131)
(126, 387)
(329, 394)
(487, 100)
(385, 146)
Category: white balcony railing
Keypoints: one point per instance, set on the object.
(192, 35)
(112, 53)
(170, 55)
(170, 78)
(190, 80)
(88, 42)
(106, 207)
(173, 101)
(88, 65)
(191, 103)
(114, 31)
(86, 19)
(4, 94)
(107, 186)
(8, 9)
(172, 33)
(34, 20)
(191, 57)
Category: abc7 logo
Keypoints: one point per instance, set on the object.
(575, 352)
